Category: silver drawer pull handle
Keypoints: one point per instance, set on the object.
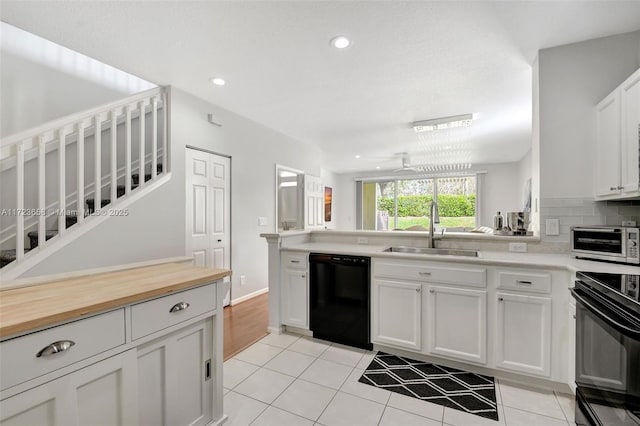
(500, 299)
(524, 282)
(295, 261)
(55, 347)
(425, 274)
(179, 307)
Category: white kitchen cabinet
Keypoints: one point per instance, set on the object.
(457, 323)
(397, 313)
(176, 371)
(295, 290)
(523, 335)
(630, 134)
(100, 394)
(314, 202)
(617, 141)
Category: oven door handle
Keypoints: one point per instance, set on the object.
(635, 333)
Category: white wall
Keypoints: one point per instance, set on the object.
(572, 80)
(42, 81)
(156, 225)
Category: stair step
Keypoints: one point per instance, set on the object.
(121, 189)
(135, 178)
(91, 204)
(33, 237)
(8, 256)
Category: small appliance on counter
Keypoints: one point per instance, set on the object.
(609, 243)
(517, 223)
(607, 349)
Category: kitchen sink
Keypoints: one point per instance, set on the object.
(438, 251)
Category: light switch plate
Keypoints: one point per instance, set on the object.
(363, 240)
(518, 247)
(552, 227)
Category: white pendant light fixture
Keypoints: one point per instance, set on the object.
(442, 123)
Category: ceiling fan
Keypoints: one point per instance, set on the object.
(406, 164)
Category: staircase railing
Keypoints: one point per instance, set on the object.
(19, 149)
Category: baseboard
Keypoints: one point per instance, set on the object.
(249, 296)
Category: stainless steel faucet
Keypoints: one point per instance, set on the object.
(434, 218)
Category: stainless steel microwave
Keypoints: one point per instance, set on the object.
(609, 243)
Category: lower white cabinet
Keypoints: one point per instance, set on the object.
(397, 313)
(104, 393)
(176, 372)
(295, 298)
(457, 323)
(523, 338)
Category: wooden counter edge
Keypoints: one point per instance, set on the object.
(90, 309)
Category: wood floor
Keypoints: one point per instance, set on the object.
(245, 324)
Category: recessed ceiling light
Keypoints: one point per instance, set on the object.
(340, 42)
(217, 81)
(377, 167)
(357, 155)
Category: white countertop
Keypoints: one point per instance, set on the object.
(497, 258)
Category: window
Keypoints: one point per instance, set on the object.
(404, 204)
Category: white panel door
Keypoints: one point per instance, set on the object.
(520, 316)
(208, 211)
(397, 308)
(457, 323)
(607, 167)
(630, 137)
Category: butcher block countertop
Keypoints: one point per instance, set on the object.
(27, 308)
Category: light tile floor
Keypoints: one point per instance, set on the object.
(287, 380)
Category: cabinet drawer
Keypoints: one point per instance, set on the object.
(460, 275)
(18, 357)
(527, 281)
(292, 260)
(149, 317)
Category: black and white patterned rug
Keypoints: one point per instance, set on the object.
(458, 389)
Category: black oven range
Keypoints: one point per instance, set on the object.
(607, 349)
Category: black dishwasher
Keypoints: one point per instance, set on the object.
(340, 308)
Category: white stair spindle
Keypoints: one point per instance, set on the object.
(98, 163)
(141, 121)
(127, 161)
(62, 176)
(42, 197)
(80, 178)
(154, 148)
(114, 158)
(165, 118)
(19, 201)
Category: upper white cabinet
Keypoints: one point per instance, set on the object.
(617, 142)
(314, 202)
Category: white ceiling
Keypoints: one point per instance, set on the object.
(409, 61)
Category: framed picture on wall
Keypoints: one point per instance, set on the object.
(327, 203)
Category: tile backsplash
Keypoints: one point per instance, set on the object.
(584, 211)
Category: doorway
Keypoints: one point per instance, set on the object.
(208, 211)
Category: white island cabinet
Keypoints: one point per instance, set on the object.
(143, 356)
(397, 313)
(295, 289)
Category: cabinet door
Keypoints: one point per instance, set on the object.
(397, 308)
(518, 317)
(607, 167)
(295, 298)
(104, 393)
(630, 137)
(457, 323)
(173, 370)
